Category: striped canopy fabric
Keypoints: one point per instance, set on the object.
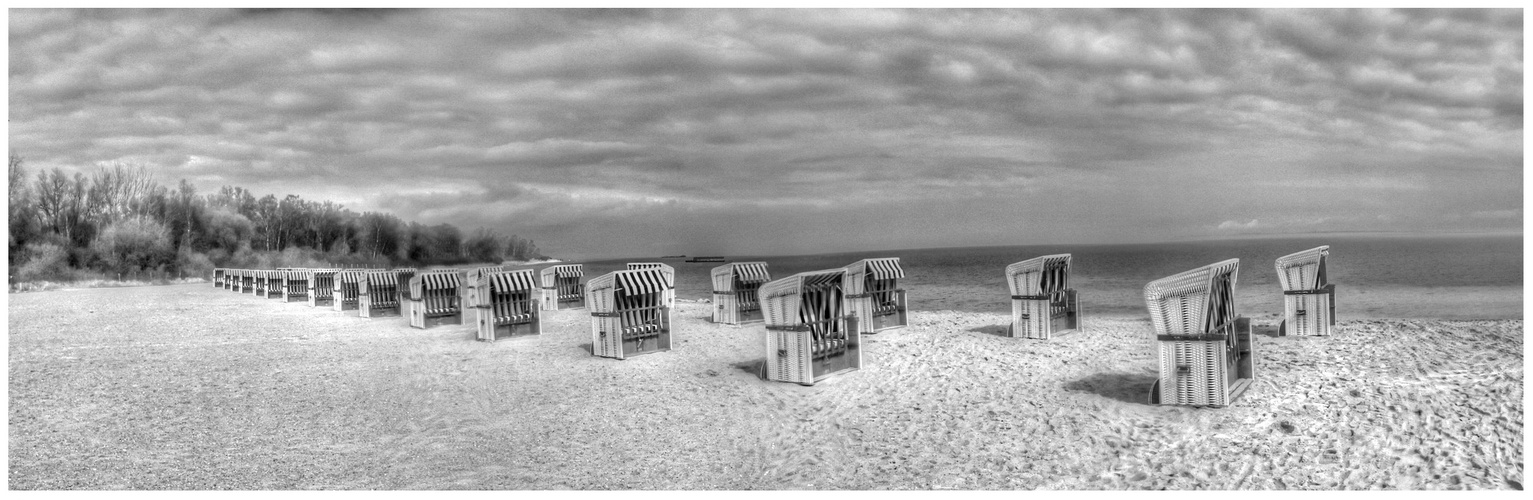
(437, 280)
(377, 278)
(887, 268)
(752, 272)
(568, 270)
(511, 281)
(1039, 275)
(642, 281)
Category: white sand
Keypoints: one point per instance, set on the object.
(191, 387)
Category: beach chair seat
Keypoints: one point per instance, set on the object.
(629, 314)
(1206, 351)
(734, 292)
(1309, 302)
(1042, 303)
(809, 334)
(873, 294)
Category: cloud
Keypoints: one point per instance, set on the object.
(1233, 225)
(1153, 118)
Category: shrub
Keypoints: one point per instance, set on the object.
(44, 261)
(133, 244)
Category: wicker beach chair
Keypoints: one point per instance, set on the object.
(259, 282)
(232, 280)
(562, 288)
(1042, 302)
(321, 287)
(276, 284)
(434, 299)
(471, 281)
(507, 303)
(1206, 350)
(1309, 302)
(218, 277)
(248, 281)
(629, 316)
(670, 274)
(295, 285)
(734, 292)
(873, 294)
(346, 293)
(378, 292)
(809, 334)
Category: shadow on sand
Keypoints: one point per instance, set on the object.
(755, 367)
(1125, 387)
(996, 330)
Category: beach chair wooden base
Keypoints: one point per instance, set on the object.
(320, 301)
(1043, 319)
(1205, 372)
(296, 297)
(344, 305)
(491, 329)
(369, 309)
(423, 319)
(611, 339)
(1309, 313)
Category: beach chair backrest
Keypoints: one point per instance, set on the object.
(1195, 302)
(1303, 270)
(873, 275)
(809, 299)
(1039, 275)
(512, 292)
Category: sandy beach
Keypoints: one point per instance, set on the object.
(192, 387)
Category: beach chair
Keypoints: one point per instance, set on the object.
(734, 292)
(295, 285)
(471, 280)
(628, 313)
(1042, 302)
(378, 292)
(218, 277)
(232, 280)
(670, 273)
(434, 299)
(1309, 303)
(249, 280)
(507, 303)
(809, 334)
(1206, 350)
(873, 294)
(346, 292)
(276, 284)
(258, 283)
(562, 288)
(321, 287)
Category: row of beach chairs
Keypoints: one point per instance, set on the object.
(814, 320)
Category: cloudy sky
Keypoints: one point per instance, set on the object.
(642, 133)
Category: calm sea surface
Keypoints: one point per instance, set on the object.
(1478, 277)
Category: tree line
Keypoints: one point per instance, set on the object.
(118, 222)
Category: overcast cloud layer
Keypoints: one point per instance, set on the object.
(641, 133)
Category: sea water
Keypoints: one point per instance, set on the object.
(1427, 277)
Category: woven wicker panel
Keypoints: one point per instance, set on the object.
(1179, 304)
(1303, 270)
(1308, 314)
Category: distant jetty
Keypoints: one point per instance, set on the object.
(674, 257)
(706, 259)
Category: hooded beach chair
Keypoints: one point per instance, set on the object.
(295, 285)
(562, 288)
(321, 287)
(670, 274)
(248, 280)
(434, 298)
(260, 282)
(1309, 303)
(471, 281)
(734, 292)
(873, 294)
(1042, 302)
(378, 292)
(232, 280)
(507, 304)
(276, 284)
(809, 334)
(629, 316)
(218, 277)
(1206, 350)
(346, 292)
